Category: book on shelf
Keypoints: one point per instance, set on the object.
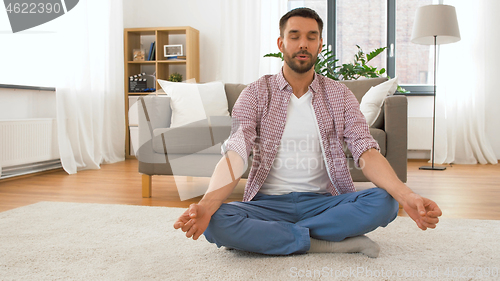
(177, 58)
(153, 56)
(150, 50)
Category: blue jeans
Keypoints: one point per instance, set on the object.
(283, 224)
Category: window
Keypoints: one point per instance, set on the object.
(373, 24)
(30, 57)
(364, 25)
(414, 63)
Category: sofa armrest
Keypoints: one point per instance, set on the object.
(194, 137)
(395, 126)
(153, 112)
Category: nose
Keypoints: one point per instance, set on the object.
(303, 44)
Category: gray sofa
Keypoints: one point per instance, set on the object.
(194, 150)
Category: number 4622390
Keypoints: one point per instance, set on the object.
(34, 8)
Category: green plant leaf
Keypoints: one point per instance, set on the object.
(374, 53)
(274, 55)
(402, 90)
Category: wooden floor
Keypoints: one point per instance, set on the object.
(462, 191)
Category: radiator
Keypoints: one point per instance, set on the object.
(28, 141)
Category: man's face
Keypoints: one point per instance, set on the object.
(300, 44)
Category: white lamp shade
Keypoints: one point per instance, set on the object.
(435, 20)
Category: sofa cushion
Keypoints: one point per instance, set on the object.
(193, 102)
(361, 86)
(197, 137)
(379, 135)
(372, 101)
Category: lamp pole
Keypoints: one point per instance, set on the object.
(434, 115)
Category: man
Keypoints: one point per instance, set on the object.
(299, 196)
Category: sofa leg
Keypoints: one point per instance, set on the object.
(146, 186)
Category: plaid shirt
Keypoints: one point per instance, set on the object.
(259, 117)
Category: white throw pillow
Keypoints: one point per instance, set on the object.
(372, 101)
(192, 102)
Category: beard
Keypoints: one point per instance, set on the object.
(299, 66)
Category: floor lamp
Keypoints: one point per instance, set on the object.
(435, 25)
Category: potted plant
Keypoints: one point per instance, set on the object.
(175, 77)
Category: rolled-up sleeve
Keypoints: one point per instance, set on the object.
(243, 125)
(356, 131)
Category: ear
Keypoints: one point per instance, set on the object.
(280, 44)
(320, 45)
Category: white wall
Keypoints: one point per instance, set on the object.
(203, 15)
(27, 104)
(420, 126)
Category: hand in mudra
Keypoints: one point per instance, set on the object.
(423, 211)
(193, 221)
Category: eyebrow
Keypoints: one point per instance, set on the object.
(294, 31)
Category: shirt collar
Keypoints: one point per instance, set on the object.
(282, 83)
(315, 83)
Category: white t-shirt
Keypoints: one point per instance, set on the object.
(299, 165)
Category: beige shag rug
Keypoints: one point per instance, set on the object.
(74, 241)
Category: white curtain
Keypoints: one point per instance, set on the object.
(250, 29)
(90, 101)
(460, 110)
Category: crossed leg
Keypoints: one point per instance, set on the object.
(285, 224)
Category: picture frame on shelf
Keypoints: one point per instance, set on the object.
(172, 50)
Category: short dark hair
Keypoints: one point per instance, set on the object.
(301, 12)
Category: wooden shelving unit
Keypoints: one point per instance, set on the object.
(134, 38)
